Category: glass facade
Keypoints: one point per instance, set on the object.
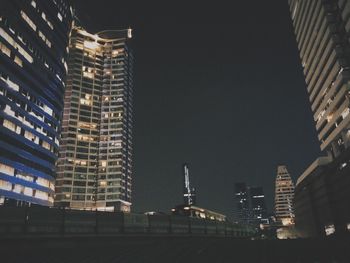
(95, 164)
(33, 50)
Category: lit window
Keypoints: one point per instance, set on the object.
(18, 61)
(43, 182)
(13, 43)
(91, 44)
(345, 113)
(60, 17)
(44, 38)
(329, 229)
(5, 185)
(9, 125)
(33, 4)
(28, 20)
(88, 75)
(5, 49)
(6, 169)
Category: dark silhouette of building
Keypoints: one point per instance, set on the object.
(33, 50)
(258, 205)
(250, 205)
(241, 208)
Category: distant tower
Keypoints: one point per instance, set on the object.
(242, 211)
(189, 193)
(258, 205)
(284, 195)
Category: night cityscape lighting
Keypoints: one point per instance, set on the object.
(151, 132)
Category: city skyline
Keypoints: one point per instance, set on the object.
(215, 104)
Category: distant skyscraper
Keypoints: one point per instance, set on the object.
(258, 205)
(33, 50)
(250, 206)
(189, 192)
(95, 164)
(322, 31)
(241, 209)
(284, 194)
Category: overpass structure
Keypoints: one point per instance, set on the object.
(45, 221)
(51, 235)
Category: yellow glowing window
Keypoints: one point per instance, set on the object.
(5, 49)
(28, 20)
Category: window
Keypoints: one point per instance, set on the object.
(13, 43)
(28, 20)
(9, 125)
(60, 17)
(5, 49)
(7, 169)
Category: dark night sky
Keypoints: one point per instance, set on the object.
(217, 86)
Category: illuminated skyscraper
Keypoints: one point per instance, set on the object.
(33, 50)
(284, 194)
(189, 192)
(95, 164)
(322, 30)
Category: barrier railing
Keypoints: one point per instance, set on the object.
(59, 222)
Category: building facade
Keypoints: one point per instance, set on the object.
(321, 29)
(250, 205)
(284, 194)
(33, 49)
(241, 203)
(258, 205)
(322, 34)
(95, 163)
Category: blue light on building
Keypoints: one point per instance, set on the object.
(33, 49)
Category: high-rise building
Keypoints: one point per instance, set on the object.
(189, 192)
(284, 194)
(258, 205)
(322, 31)
(241, 208)
(250, 206)
(33, 49)
(95, 163)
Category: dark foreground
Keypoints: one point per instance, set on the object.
(153, 249)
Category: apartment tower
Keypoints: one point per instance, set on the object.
(322, 29)
(95, 163)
